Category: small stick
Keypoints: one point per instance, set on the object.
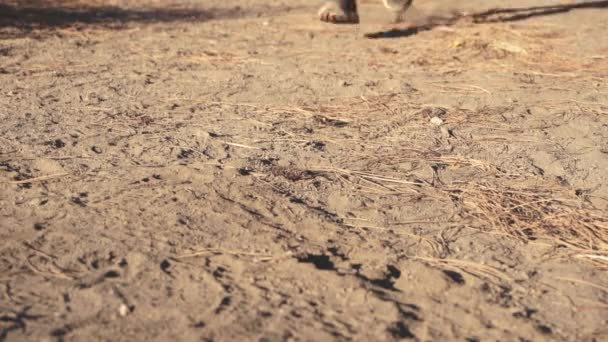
(223, 251)
(584, 282)
(38, 179)
(241, 145)
(53, 158)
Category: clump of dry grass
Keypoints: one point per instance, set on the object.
(531, 213)
(525, 212)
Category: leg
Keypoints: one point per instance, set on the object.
(398, 7)
(339, 12)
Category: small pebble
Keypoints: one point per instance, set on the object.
(96, 149)
(123, 310)
(437, 121)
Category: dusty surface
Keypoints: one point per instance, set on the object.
(236, 170)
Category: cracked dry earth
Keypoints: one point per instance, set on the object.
(237, 170)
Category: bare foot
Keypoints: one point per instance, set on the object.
(339, 12)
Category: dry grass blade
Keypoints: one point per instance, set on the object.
(434, 245)
(242, 146)
(475, 269)
(366, 175)
(50, 157)
(599, 260)
(584, 282)
(593, 257)
(456, 161)
(218, 251)
(38, 179)
(51, 273)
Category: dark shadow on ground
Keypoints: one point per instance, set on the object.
(495, 15)
(50, 17)
(24, 16)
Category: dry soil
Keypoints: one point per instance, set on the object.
(237, 171)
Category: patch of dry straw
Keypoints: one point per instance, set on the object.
(531, 213)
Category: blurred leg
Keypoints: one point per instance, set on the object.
(398, 7)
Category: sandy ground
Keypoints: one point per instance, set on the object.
(237, 170)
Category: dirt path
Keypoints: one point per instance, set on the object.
(237, 170)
